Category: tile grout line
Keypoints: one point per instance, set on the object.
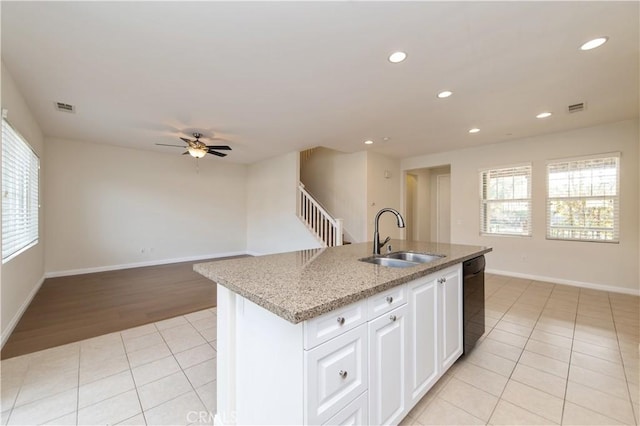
(179, 365)
(624, 370)
(573, 337)
(570, 363)
(78, 394)
(522, 352)
(135, 385)
(22, 381)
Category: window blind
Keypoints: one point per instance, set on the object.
(505, 201)
(583, 199)
(20, 199)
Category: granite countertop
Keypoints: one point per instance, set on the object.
(301, 285)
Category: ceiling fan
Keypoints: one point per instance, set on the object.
(199, 149)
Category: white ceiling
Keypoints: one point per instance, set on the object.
(276, 77)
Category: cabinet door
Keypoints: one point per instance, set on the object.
(354, 414)
(336, 374)
(450, 289)
(388, 360)
(423, 337)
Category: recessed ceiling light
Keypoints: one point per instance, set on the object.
(592, 44)
(543, 115)
(386, 138)
(445, 94)
(368, 142)
(396, 57)
(474, 130)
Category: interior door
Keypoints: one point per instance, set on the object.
(443, 208)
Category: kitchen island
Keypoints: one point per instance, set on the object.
(319, 337)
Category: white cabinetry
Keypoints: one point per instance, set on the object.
(435, 328)
(423, 336)
(450, 302)
(388, 352)
(354, 414)
(336, 374)
(366, 363)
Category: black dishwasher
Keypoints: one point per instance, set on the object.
(473, 305)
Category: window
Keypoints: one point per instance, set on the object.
(582, 198)
(20, 169)
(506, 201)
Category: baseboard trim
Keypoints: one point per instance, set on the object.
(16, 318)
(582, 284)
(71, 272)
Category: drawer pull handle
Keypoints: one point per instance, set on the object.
(341, 320)
(392, 318)
(342, 374)
(389, 299)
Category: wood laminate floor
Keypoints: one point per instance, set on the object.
(69, 309)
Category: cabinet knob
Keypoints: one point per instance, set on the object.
(389, 299)
(392, 318)
(342, 374)
(341, 320)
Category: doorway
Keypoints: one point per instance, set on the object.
(428, 204)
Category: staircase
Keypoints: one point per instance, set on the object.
(327, 229)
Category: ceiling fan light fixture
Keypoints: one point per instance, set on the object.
(197, 152)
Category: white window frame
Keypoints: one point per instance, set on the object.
(572, 164)
(20, 193)
(486, 201)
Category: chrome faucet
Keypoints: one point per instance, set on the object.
(377, 245)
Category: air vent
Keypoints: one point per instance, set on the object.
(61, 106)
(576, 107)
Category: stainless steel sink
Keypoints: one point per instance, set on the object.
(393, 263)
(402, 259)
(413, 257)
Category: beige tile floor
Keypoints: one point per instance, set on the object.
(157, 374)
(551, 354)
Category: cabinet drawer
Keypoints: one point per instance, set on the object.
(336, 373)
(320, 329)
(354, 414)
(386, 301)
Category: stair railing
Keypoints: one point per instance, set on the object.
(327, 229)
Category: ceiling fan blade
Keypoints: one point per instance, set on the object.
(187, 140)
(219, 154)
(185, 153)
(222, 147)
(164, 144)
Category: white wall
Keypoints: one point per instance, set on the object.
(599, 265)
(106, 204)
(383, 191)
(22, 276)
(338, 181)
(272, 224)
